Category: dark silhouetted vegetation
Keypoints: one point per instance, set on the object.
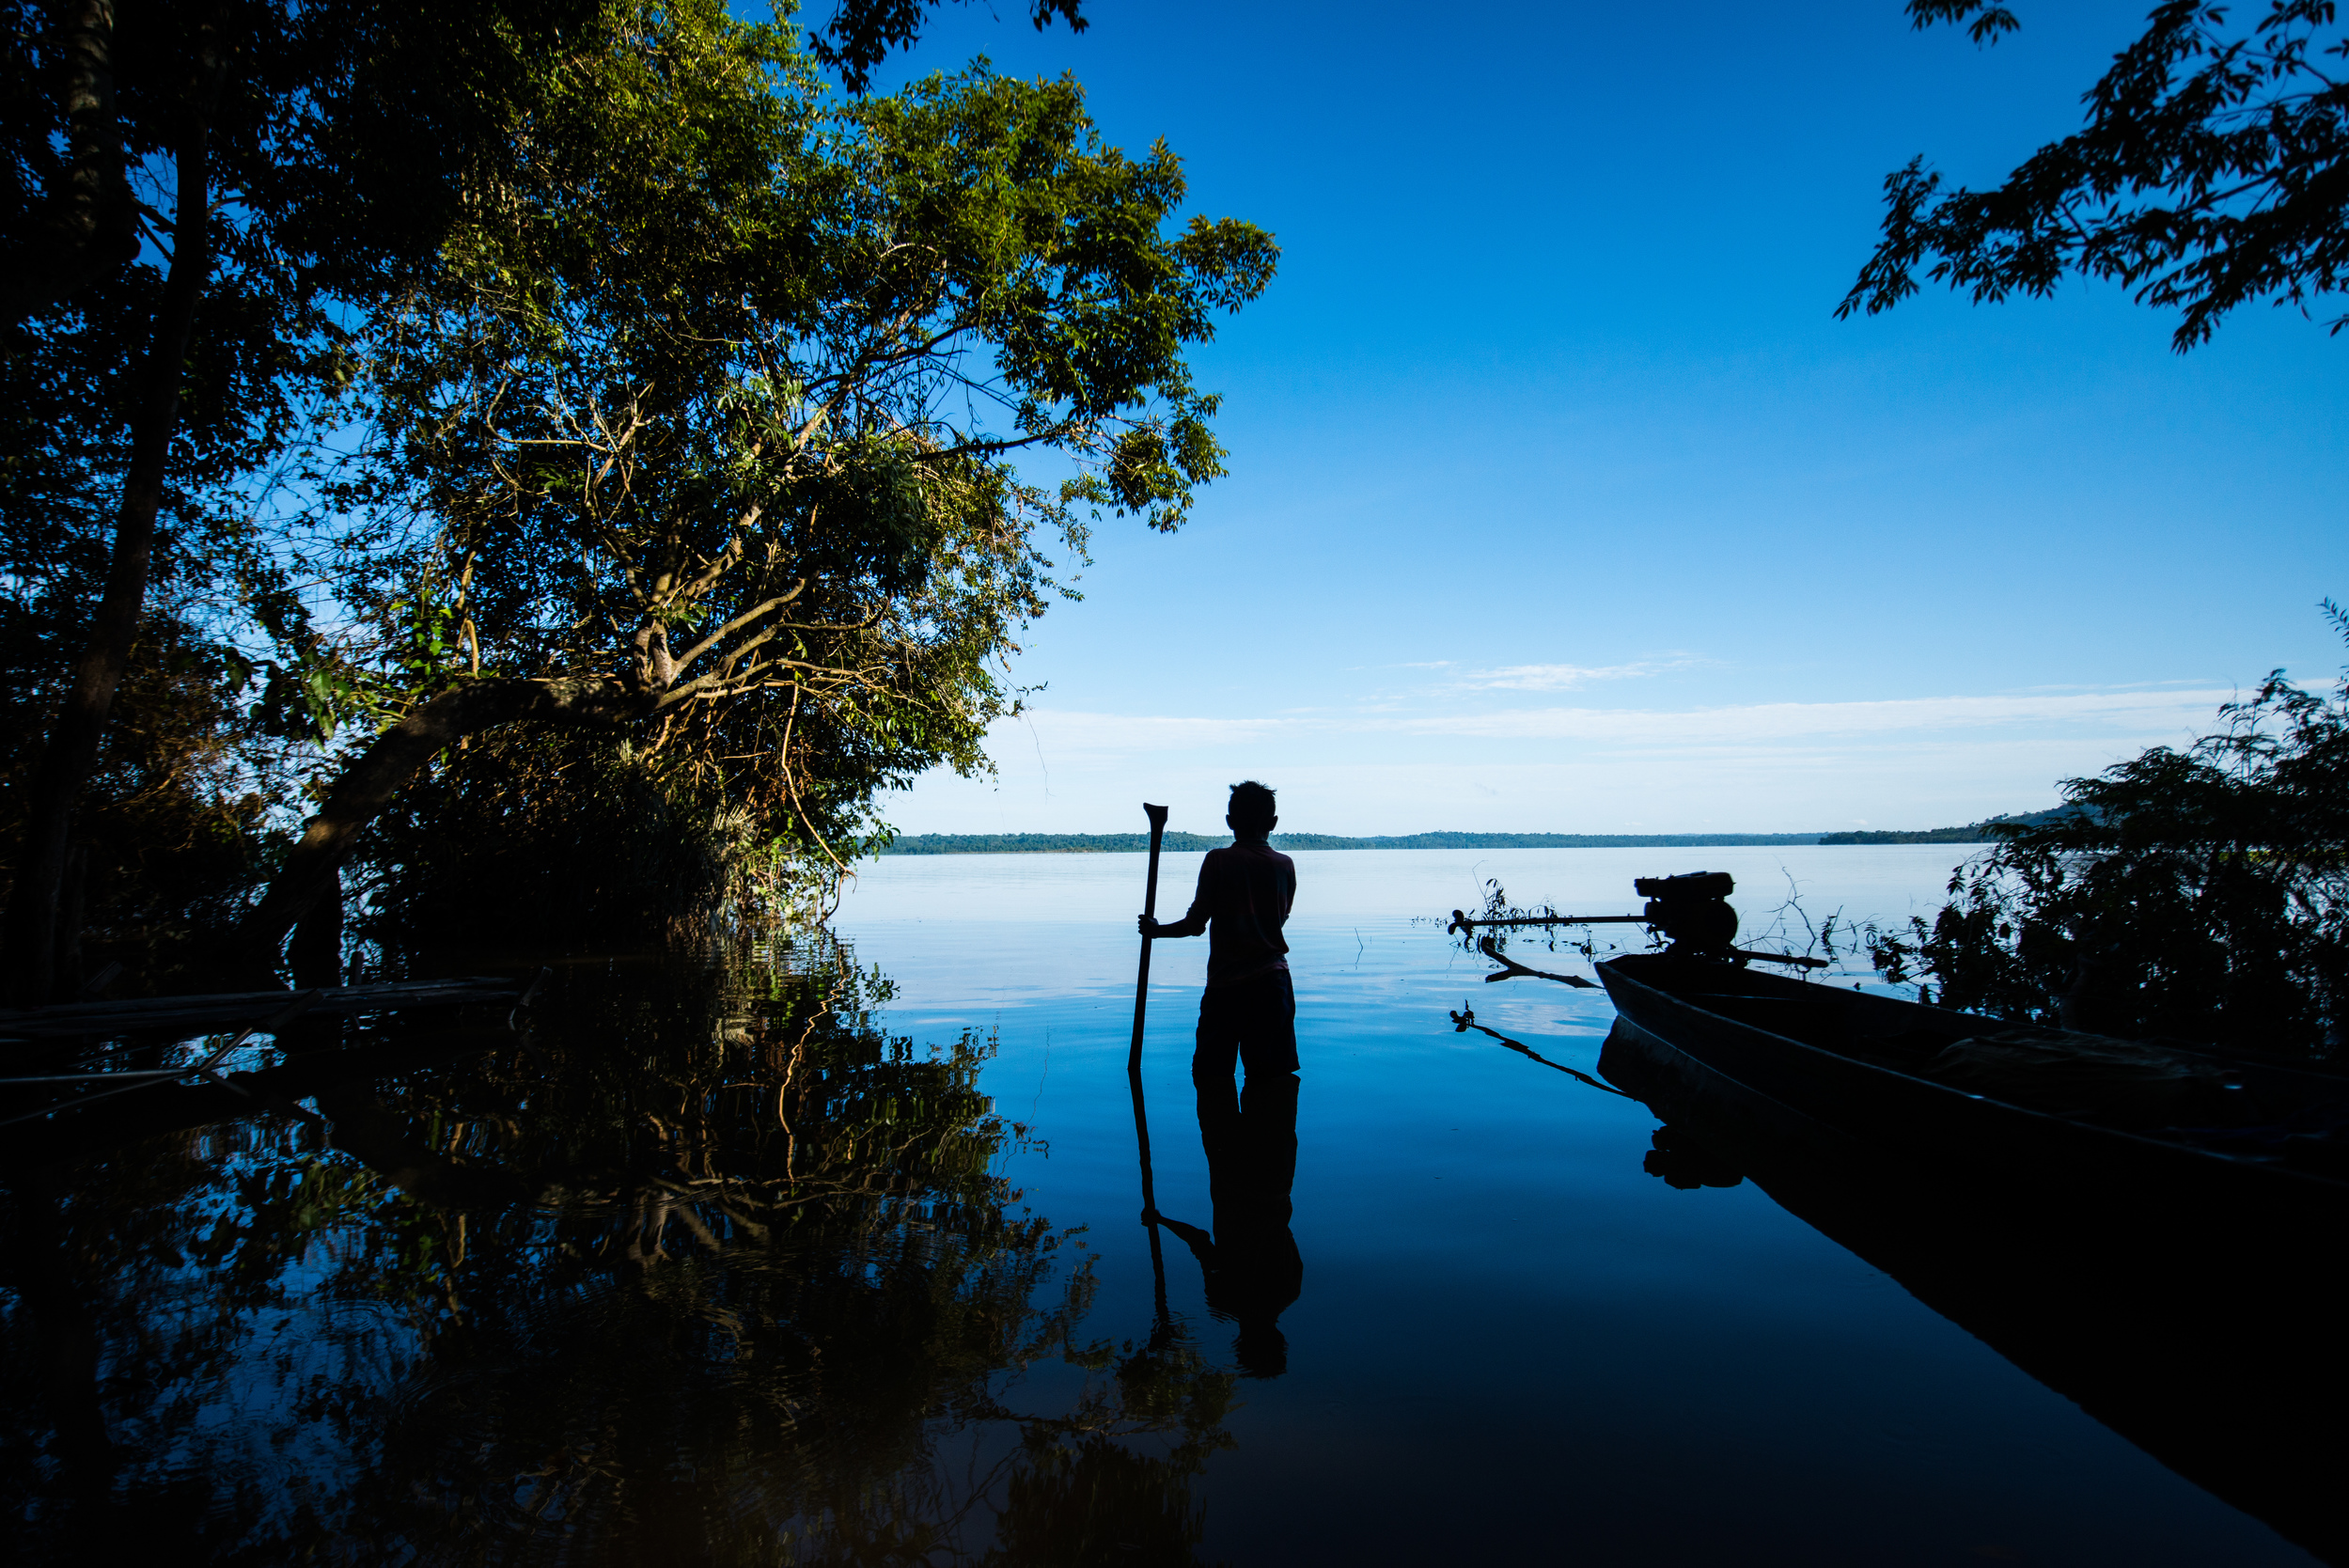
(2201, 895)
(1982, 832)
(2209, 174)
(200, 193)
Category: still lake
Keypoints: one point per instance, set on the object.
(818, 1251)
(1510, 1341)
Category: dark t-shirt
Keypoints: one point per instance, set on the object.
(1243, 898)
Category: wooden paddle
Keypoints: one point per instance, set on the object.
(1149, 911)
(1134, 1080)
(1157, 815)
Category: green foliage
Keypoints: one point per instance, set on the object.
(2201, 895)
(716, 397)
(566, 340)
(860, 36)
(522, 841)
(2209, 174)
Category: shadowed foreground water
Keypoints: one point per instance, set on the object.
(831, 1253)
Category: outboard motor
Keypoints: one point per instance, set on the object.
(1693, 910)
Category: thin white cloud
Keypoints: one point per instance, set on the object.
(2137, 715)
(2137, 712)
(1559, 678)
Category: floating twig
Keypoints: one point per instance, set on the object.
(1511, 969)
(1465, 1019)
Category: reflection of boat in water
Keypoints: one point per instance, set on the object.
(2217, 1135)
(2205, 1333)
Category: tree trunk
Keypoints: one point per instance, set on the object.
(314, 866)
(72, 907)
(73, 751)
(315, 954)
(91, 227)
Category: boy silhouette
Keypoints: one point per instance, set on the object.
(1248, 1013)
(1248, 1016)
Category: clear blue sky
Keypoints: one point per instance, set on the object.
(1560, 502)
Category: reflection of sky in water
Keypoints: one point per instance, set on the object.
(1510, 1340)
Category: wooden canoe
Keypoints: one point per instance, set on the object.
(1905, 1081)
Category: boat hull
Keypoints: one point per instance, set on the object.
(2208, 1341)
(1848, 1103)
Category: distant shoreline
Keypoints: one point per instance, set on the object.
(1116, 843)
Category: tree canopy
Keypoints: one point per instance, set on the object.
(862, 32)
(2209, 173)
(704, 432)
(590, 364)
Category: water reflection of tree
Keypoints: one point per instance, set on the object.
(712, 1266)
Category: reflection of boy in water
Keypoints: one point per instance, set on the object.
(1251, 1265)
(1248, 1016)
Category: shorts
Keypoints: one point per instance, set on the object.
(1253, 1022)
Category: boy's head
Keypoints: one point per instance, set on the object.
(1251, 812)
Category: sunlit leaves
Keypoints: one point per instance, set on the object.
(721, 392)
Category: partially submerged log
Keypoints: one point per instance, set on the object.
(73, 1128)
(203, 1014)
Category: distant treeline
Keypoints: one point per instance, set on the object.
(1973, 833)
(1082, 844)
(1108, 844)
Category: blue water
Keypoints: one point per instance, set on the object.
(1510, 1341)
(712, 1263)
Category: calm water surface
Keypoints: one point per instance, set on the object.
(816, 1254)
(1510, 1339)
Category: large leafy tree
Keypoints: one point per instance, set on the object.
(198, 193)
(2209, 173)
(704, 433)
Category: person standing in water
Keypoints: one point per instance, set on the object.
(1247, 1017)
(1248, 1013)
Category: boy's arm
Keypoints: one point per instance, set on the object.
(1192, 924)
